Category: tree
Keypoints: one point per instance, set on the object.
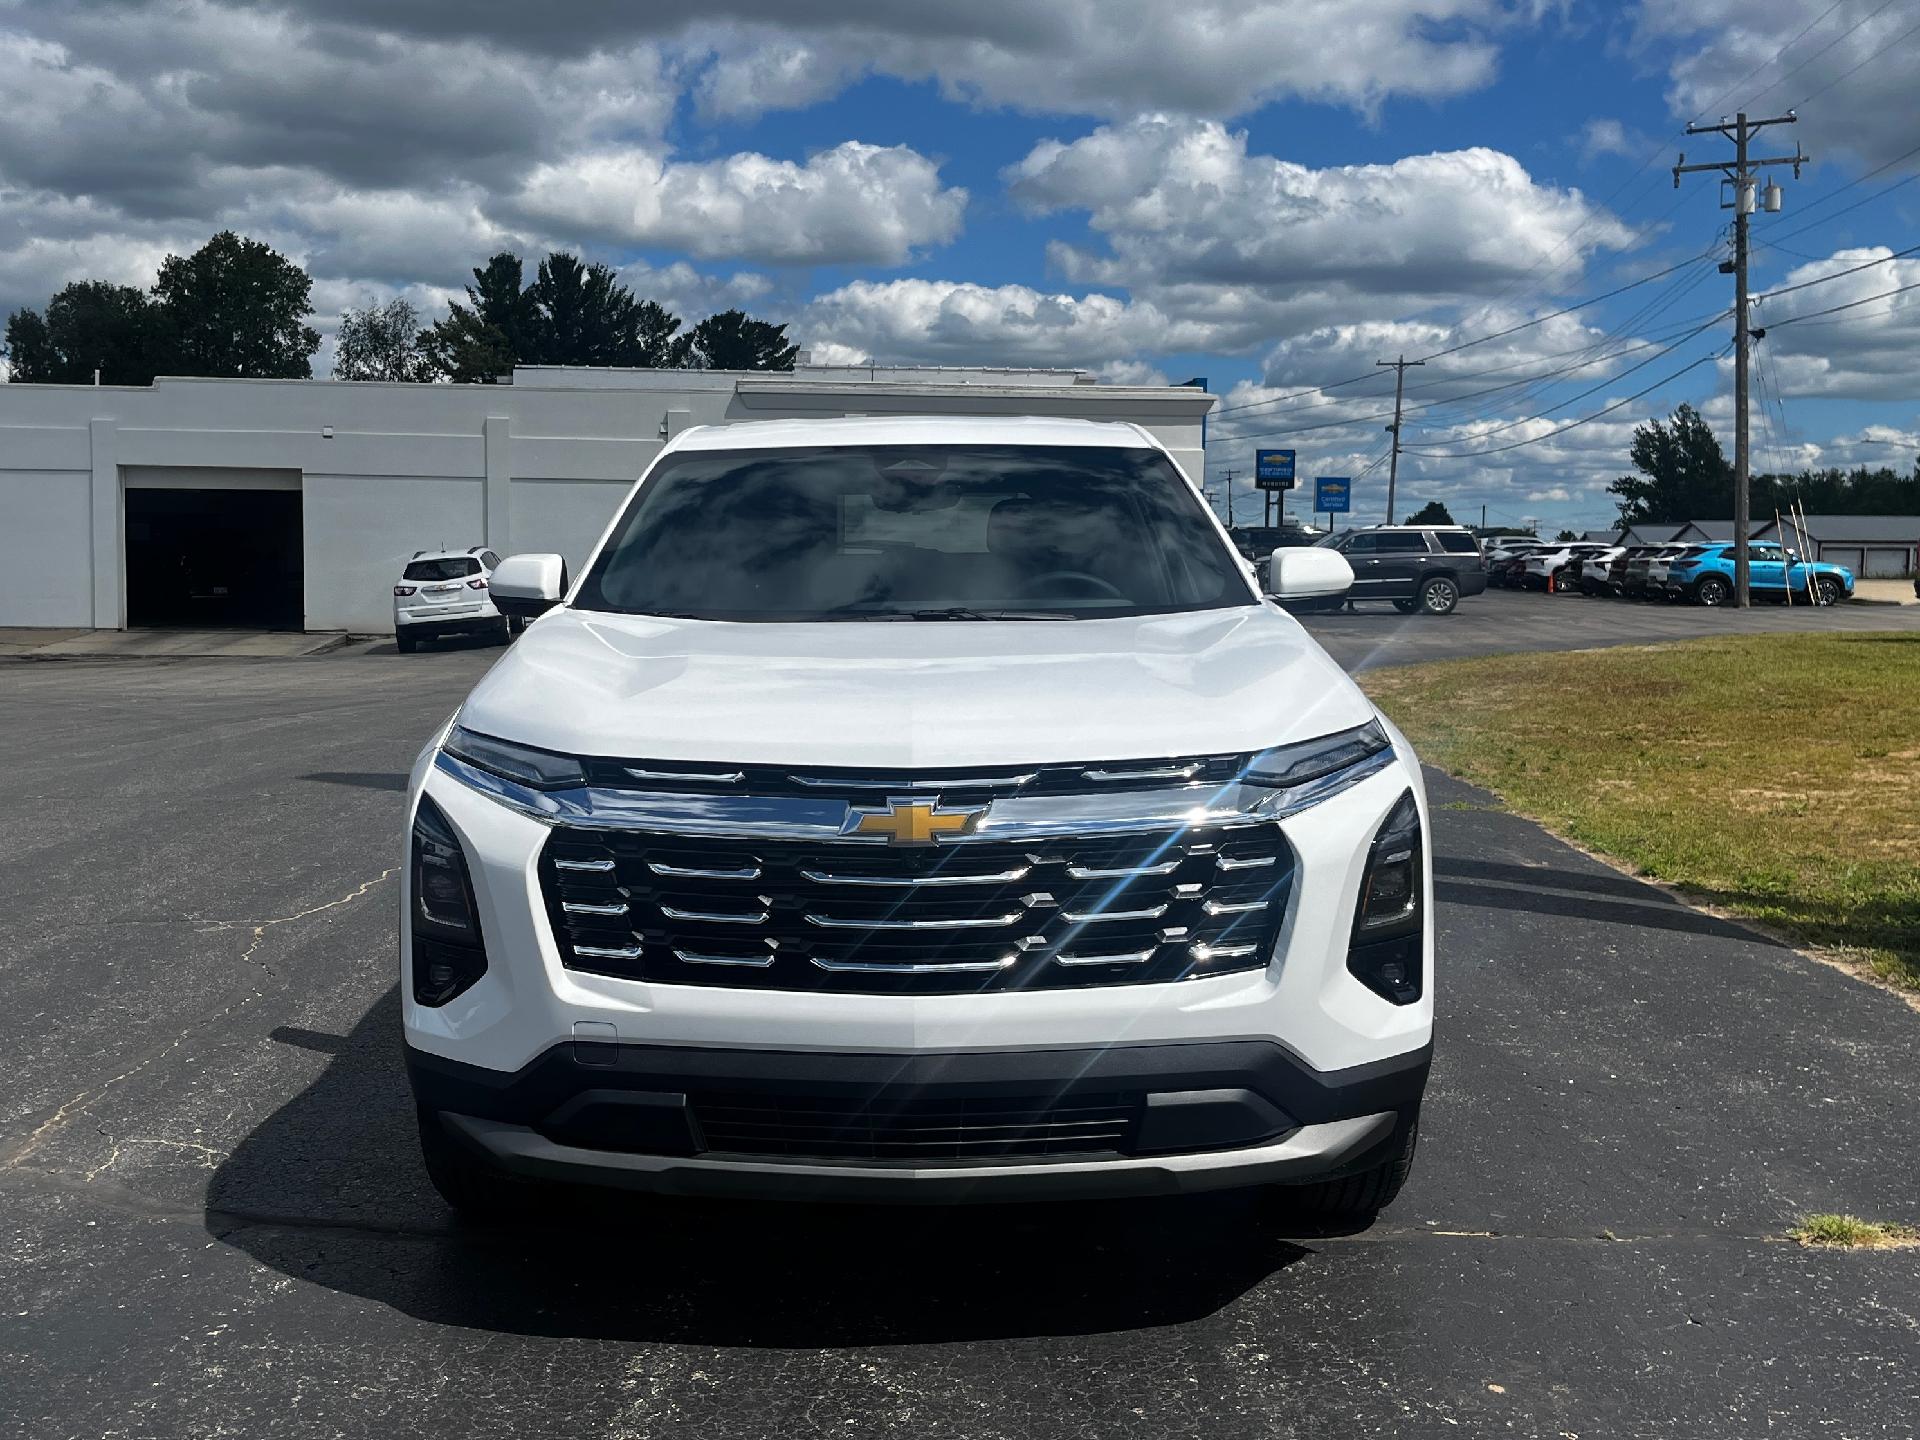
(584, 316)
(31, 358)
(1432, 513)
(572, 314)
(89, 325)
(734, 340)
(236, 307)
(381, 342)
(1684, 475)
(1564, 536)
(482, 340)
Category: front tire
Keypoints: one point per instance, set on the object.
(1438, 596)
(1712, 592)
(479, 1194)
(1827, 590)
(404, 643)
(503, 632)
(1358, 1197)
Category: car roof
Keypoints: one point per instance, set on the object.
(913, 430)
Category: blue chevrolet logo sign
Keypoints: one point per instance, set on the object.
(1273, 464)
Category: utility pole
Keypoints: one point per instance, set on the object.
(1229, 499)
(1399, 388)
(1740, 174)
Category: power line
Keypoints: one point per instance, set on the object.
(1567, 310)
(1838, 274)
(1662, 144)
(1876, 55)
(1864, 19)
(1584, 419)
(1819, 200)
(1457, 400)
(1611, 379)
(1468, 344)
(1850, 305)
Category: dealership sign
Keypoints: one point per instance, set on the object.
(1332, 494)
(1273, 469)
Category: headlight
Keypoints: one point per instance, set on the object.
(1286, 766)
(540, 769)
(448, 952)
(1387, 949)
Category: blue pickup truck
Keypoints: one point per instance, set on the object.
(1704, 575)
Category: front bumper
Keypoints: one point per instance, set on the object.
(1200, 1116)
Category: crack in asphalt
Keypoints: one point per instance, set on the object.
(80, 1103)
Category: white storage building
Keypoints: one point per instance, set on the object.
(294, 504)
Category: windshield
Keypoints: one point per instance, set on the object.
(923, 532)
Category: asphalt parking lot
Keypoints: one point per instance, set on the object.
(215, 1221)
(1375, 634)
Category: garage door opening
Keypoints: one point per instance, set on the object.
(215, 558)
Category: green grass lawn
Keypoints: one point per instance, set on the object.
(1777, 776)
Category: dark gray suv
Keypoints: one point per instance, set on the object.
(1418, 567)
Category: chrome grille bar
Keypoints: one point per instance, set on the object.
(714, 917)
(597, 867)
(609, 952)
(748, 962)
(702, 872)
(1095, 917)
(587, 907)
(687, 777)
(904, 786)
(1130, 957)
(911, 967)
(830, 877)
(983, 922)
(1092, 872)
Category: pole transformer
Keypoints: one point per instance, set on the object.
(1739, 193)
(1399, 388)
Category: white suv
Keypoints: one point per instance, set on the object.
(444, 592)
(916, 809)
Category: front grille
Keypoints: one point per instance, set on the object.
(914, 1130)
(962, 785)
(978, 916)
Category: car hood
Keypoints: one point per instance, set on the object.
(914, 693)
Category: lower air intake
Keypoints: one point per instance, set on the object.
(947, 1131)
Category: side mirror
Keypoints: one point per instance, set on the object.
(524, 586)
(1311, 573)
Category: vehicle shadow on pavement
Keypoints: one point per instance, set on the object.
(322, 1189)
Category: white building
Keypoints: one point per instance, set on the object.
(295, 503)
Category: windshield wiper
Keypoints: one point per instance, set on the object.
(964, 612)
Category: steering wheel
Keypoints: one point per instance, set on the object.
(1080, 578)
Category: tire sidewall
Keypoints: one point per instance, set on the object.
(1438, 585)
(1712, 591)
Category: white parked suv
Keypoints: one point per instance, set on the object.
(916, 810)
(444, 592)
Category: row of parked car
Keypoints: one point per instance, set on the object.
(1702, 574)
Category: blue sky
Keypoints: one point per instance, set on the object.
(1270, 193)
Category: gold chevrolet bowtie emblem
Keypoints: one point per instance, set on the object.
(913, 821)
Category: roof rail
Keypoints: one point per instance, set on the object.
(416, 554)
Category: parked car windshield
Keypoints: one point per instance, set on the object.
(452, 567)
(930, 532)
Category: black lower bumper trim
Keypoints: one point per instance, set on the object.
(945, 1108)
